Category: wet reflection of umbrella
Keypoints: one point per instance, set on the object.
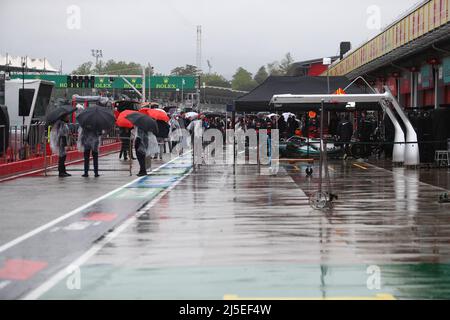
(122, 121)
(59, 113)
(97, 118)
(157, 114)
(143, 122)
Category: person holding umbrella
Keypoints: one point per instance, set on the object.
(90, 141)
(125, 127)
(162, 120)
(175, 132)
(141, 144)
(59, 135)
(92, 122)
(125, 137)
(145, 143)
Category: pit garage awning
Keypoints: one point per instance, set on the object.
(259, 100)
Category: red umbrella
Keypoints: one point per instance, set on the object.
(157, 114)
(122, 121)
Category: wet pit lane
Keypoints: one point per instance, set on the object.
(221, 235)
(96, 206)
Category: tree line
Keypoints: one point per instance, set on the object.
(242, 79)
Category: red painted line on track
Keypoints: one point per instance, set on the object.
(17, 269)
(100, 216)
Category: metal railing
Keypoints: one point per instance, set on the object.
(27, 142)
(21, 142)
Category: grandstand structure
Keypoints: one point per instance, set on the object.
(411, 56)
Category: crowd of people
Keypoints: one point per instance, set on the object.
(146, 144)
(287, 125)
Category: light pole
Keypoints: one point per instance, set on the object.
(97, 53)
(182, 90)
(204, 92)
(143, 84)
(150, 72)
(24, 63)
(327, 62)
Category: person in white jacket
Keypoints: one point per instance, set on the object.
(59, 136)
(196, 130)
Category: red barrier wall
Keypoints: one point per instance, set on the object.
(24, 166)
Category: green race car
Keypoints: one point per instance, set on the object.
(301, 147)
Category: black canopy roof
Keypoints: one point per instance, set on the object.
(258, 99)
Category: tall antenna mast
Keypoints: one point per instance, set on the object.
(199, 65)
(199, 49)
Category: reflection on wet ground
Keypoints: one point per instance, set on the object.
(439, 177)
(251, 235)
(36, 200)
(34, 257)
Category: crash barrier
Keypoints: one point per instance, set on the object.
(34, 165)
(20, 143)
(26, 148)
(4, 141)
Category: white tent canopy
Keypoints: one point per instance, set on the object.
(14, 63)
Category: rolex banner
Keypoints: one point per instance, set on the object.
(171, 83)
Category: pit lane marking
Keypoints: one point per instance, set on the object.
(62, 274)
(360, 166)
(74, 212)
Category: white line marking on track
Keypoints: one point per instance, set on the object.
(62, 274)
(4, 284)
(72, 213)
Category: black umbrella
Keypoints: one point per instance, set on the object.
(126, 105)
(163, 129)
(143, 122)
(96, 118)
(59, 113)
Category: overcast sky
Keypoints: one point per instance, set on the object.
(247, 33)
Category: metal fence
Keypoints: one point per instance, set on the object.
(27, 142)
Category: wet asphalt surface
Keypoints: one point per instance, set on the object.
(28, 261)
(35, 200)
(222, 233)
